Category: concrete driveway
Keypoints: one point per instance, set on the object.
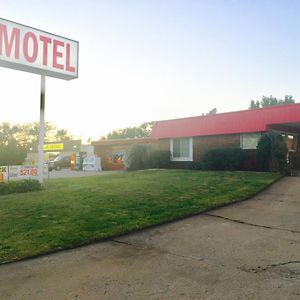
(250, 250)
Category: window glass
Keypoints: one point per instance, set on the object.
(250, 140)
(181, 147)
(185, 147)
(176, 148)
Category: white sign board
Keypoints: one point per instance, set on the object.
(28, 49)
(23, 172)
(18, 172)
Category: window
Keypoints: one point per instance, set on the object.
(250, 140)
(182, 149)
(291, 141)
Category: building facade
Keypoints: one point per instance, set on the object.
(54, 149)
(114, 153)
(188, 138)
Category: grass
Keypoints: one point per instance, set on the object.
(76, 211)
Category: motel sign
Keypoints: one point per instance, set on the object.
(31, 50)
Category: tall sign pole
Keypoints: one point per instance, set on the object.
(42, 128)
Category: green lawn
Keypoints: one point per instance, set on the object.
(76, 211)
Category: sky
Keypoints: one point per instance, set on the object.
(150, 60)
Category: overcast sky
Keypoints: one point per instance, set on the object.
(148, 60)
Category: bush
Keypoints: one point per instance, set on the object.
(143, 157)
(158, 159)
(196, 165)
(137, 158)
(223, 159)
(272, 153)
(21, 186)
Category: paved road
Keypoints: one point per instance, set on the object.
(66, 173)
(249, 250)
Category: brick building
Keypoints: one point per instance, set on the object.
(188, 138)
(114, 153)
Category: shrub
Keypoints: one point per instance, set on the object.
(137, 157)
(272, 153)
(158, 158)
(143, 157)
(196, 165)
(21, 186)
(223, 159)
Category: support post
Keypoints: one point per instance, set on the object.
(42, 129)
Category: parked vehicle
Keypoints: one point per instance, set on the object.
(59, 162)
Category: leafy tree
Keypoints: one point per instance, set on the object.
(12, 154)
(288, 99)
(254, 104)
(62, 135)
(29, 132)
(271, 101)
(11, 151)
(144, 130)
(7, 133)
(272, 153)
(15, 138)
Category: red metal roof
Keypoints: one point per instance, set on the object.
(251, 120)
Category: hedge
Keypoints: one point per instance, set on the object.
(223, 159)
(145, 157)
(21, 186)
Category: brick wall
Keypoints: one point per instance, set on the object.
(164, 144)
(204, 143)
(105, 150)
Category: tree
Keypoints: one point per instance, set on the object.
(11, 150)
(272, 153)
(62, 135)
(254, 104)
(288, 99)
(12, 154)
(7, 133)
(271, 101)
(144, 130)
(14, 140)
(29, 132)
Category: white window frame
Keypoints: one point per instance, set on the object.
(244, 135)
(188, 158)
